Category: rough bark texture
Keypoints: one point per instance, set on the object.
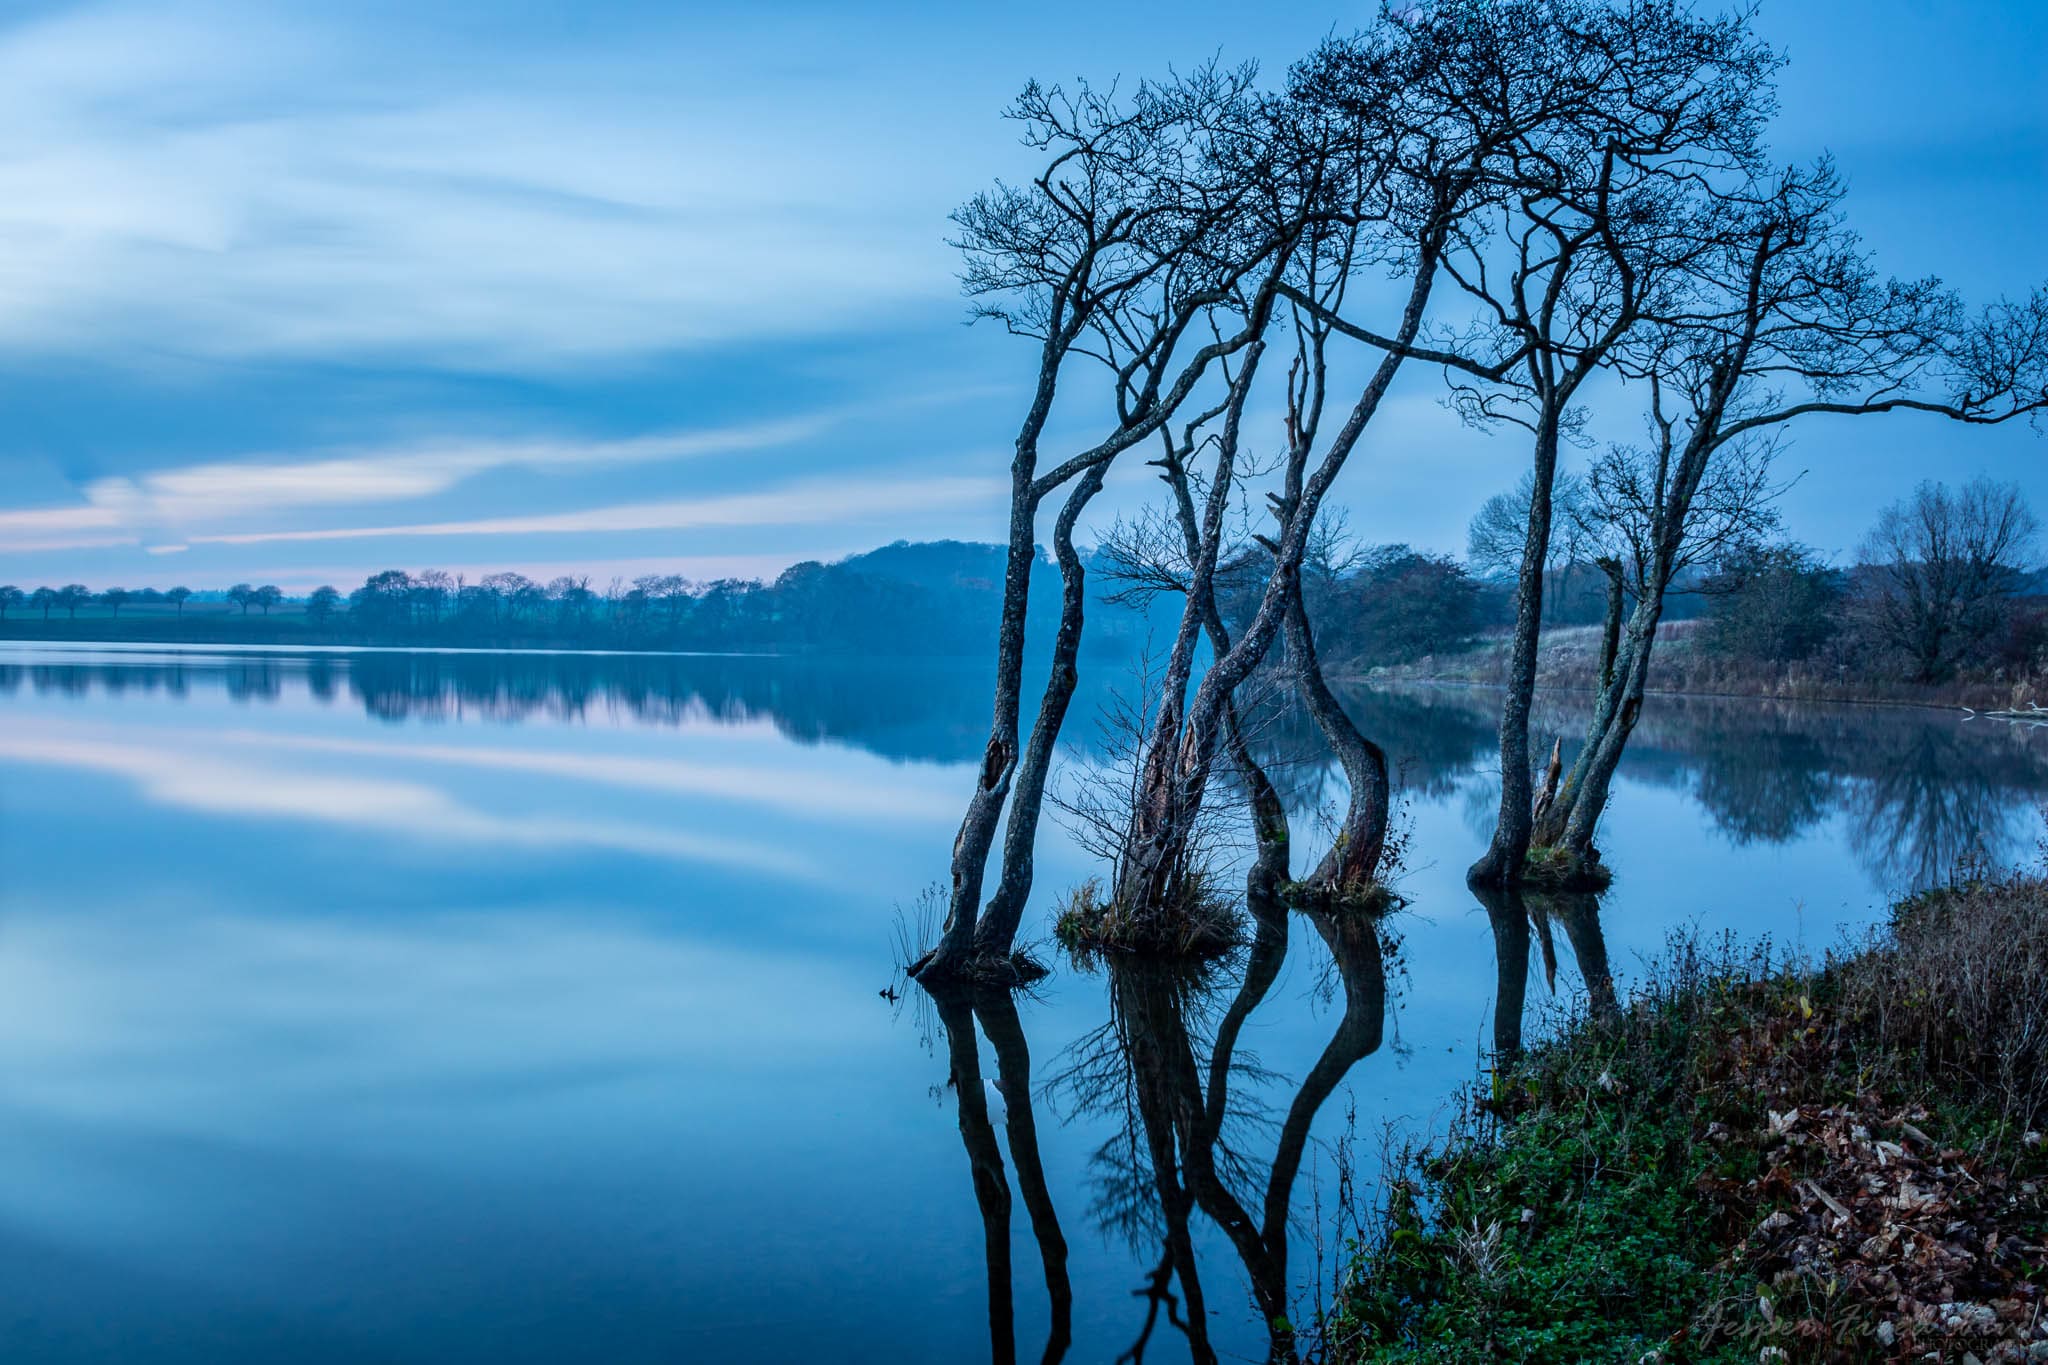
(1502, 861)
(1169, 789)
(996, 934)
(1353, 862)
(999, 759)
(1185, 751)
(1270, 831)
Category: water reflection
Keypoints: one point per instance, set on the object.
(959, 1008)
(1916, 790)
(1199, 1129)
(1522, 921)
(529, 974)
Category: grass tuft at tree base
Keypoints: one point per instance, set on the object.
(1198, 925)
(1755, 1162)
(1545, 868)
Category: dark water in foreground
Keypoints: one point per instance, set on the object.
(395, 1007)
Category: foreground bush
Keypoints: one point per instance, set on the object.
(1754, 1162)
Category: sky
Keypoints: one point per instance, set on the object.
(294, 293)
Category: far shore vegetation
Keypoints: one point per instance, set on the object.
(1934, 611)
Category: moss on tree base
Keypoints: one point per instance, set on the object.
(1352, 898)
(1197, 926)
(1548, 868)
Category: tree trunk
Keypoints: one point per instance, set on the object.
(1610, 628)
(997, 1010)
(985, 1161)
(1546, 797)
(1572, 819)
(996, 935)
(1353, 863)
(1579, 913)
(1502, 862)
(999, 759)
(1174, 768)
(1160, 830)
(1354, 943)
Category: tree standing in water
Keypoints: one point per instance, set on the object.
(1786, 319)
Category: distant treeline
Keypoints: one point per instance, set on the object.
(930, 598)
(1930, 603)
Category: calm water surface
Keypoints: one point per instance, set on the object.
(420, 1007)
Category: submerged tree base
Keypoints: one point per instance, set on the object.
(979, 969)
(1547, 868)
(1197, 926)
(1350, 898)
(1751, 1162)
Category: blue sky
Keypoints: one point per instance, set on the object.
(294, 293)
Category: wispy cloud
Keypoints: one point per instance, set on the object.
(807, 502)
(234, 180)
(181, 500)
(228, 489)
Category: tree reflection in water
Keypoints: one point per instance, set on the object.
(959, 1008)
(1522, 920)
(1916, 789)
(1190, 1137)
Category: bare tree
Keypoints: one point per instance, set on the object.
(1131, 234)
(1940, 568)
(1784, 319)
(10, 597)
(1411, 160)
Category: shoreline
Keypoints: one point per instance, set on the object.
(1753, 1158)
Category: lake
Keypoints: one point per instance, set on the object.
(396, 1006)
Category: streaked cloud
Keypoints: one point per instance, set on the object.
(227, 489)
(241, 180)
(807, 502)
(180, 500)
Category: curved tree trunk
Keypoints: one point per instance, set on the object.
(1354, 943)
(1270, 831)
(1169, 788)
(985, 1160)
(1353, 863)
(999, 759)
(1579, 913)
(996, 933)
(1160, 828)
(1603, 758)
(1501, 864)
